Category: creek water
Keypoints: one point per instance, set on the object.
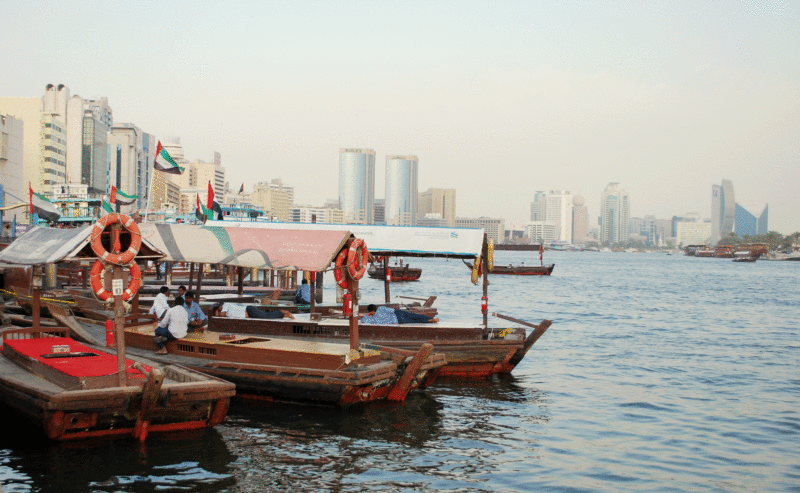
(659, 373)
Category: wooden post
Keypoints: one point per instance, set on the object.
(312, 290)
(386, 270)
(168, 276)
(36, 294)
(485, 265)
(354, 343)
(191, 275)
(119, 330)
(318, 287)
(240, 280)
(199, 281)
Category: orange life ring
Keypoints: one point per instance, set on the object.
(338, 273)
(98, 284)
(353, 259)
(116, 258)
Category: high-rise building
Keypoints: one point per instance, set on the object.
(440, 201)
(27, 111)
(580, 220)
(274, 198)
(357, 185)
(379, 210)
(723, 210)
(751, 219)
(649, 230)
(126, 158)
(538, 206)
(558, 210)
(11, 160)
(88, 124)
(202, 173)
(401, 190)
(615, 210)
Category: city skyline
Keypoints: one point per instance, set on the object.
(497, 101)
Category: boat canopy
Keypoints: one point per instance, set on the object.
(287, 249)
(390, 240)
(45, 245)
(224, 243)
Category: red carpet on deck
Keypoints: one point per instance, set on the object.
(82, 366)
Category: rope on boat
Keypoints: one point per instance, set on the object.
(31, 297)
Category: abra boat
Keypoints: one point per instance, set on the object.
(397, 273)
(73, 391)
(519, 270)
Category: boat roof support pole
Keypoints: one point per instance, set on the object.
(354, 343)
(191, 275)
(485, 269)
(240, 280)
(199, 280)
(386, 270)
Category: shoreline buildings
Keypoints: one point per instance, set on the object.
(437, 201)
(357, 185)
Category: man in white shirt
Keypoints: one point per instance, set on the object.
(161, 303)
(172, 327)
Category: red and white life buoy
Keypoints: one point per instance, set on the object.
(98, 281)
(357, 257)
(338, 271)
(128, 223)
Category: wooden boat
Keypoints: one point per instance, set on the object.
(283, 368)
(520, 270)
(744, 259)
(399, 273)
(74, 391)
(471, 352)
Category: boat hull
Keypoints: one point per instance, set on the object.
(399, 273)
(68, 409)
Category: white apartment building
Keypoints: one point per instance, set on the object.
(494, 227)
(542, 232)
(11, 160)
(693, 233)
(274, 198)
(615, 210)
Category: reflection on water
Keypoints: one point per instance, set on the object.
(186, 460)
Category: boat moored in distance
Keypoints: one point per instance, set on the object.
(520, 270)
(398, 273)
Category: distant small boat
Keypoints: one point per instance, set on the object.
(744, 259)
(400, 273)
(520, 270)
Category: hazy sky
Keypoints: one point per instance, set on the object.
(498, 99)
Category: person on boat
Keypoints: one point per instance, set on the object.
(383, 315)
(174, 326)
(238, 310)
(181, 293)
(303, 294)
(161, 303)
(197, 318)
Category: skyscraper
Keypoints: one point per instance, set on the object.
(615, 209)
(401, 190)
(88, 124)
(752, 219)
(723, 210)
(558, 210)
(357, 184)
(538, 206)
(580, 220)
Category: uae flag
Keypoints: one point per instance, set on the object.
(164, 162)
(213, 205)
(106, 205)
(40, 205)
(201, 212)
(120, 197)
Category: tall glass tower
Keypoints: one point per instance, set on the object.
(357, 185)
(615, 213)
(401, 190)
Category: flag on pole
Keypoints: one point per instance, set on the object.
(119, 197)
(241, 189)
(107, 205)
(201, 212)
(210, 201)
(163, 161)
(40, 205)
(213, 205)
